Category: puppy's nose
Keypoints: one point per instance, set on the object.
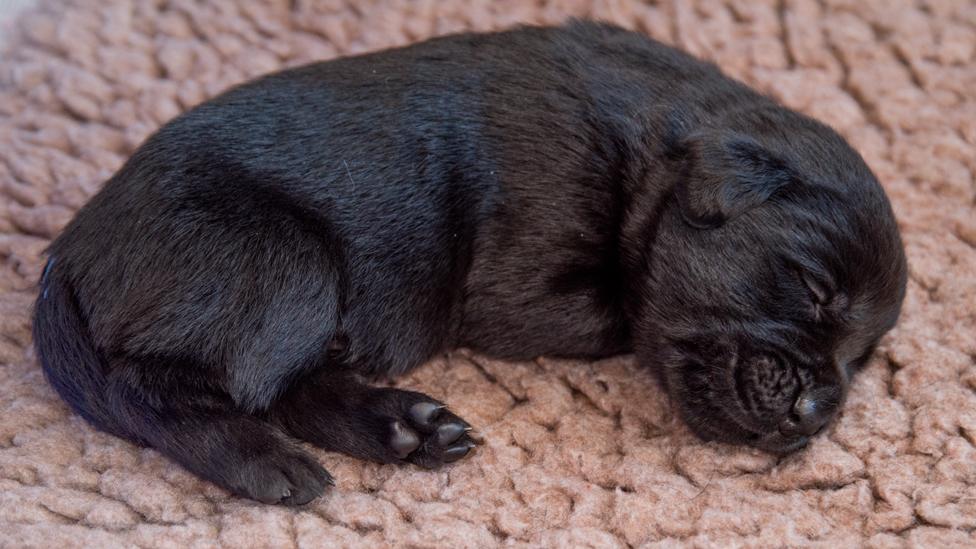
(811, 411)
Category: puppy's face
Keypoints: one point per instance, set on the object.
(769, 283)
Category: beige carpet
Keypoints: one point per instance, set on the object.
(576, 454)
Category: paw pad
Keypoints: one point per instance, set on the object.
(430, 435)
(423, 413)
(404, 441)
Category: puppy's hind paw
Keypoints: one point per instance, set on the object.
(430, 435)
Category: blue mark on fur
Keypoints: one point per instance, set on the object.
(47, 271)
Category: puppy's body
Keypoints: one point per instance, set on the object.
(521, 193)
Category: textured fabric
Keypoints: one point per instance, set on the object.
(575, 453)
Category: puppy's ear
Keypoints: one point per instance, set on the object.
(724, 174)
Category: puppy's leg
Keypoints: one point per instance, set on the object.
(337, 412)
(201, 429)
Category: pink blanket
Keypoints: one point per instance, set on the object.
(576, 454)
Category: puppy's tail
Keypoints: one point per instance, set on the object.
(67, 353)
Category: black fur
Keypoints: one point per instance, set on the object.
(574, 191)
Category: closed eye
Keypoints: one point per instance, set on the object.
(820, 294)
(825, 299)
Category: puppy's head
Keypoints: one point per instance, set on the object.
(776, 266)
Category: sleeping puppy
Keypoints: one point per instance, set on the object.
(580, 191)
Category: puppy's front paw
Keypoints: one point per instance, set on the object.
(281, 476)
(428, 434)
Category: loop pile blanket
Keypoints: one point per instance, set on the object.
(575, 454)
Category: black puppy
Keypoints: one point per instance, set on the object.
(577, 191)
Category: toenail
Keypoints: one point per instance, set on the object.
(455, 453)
(449, 432)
